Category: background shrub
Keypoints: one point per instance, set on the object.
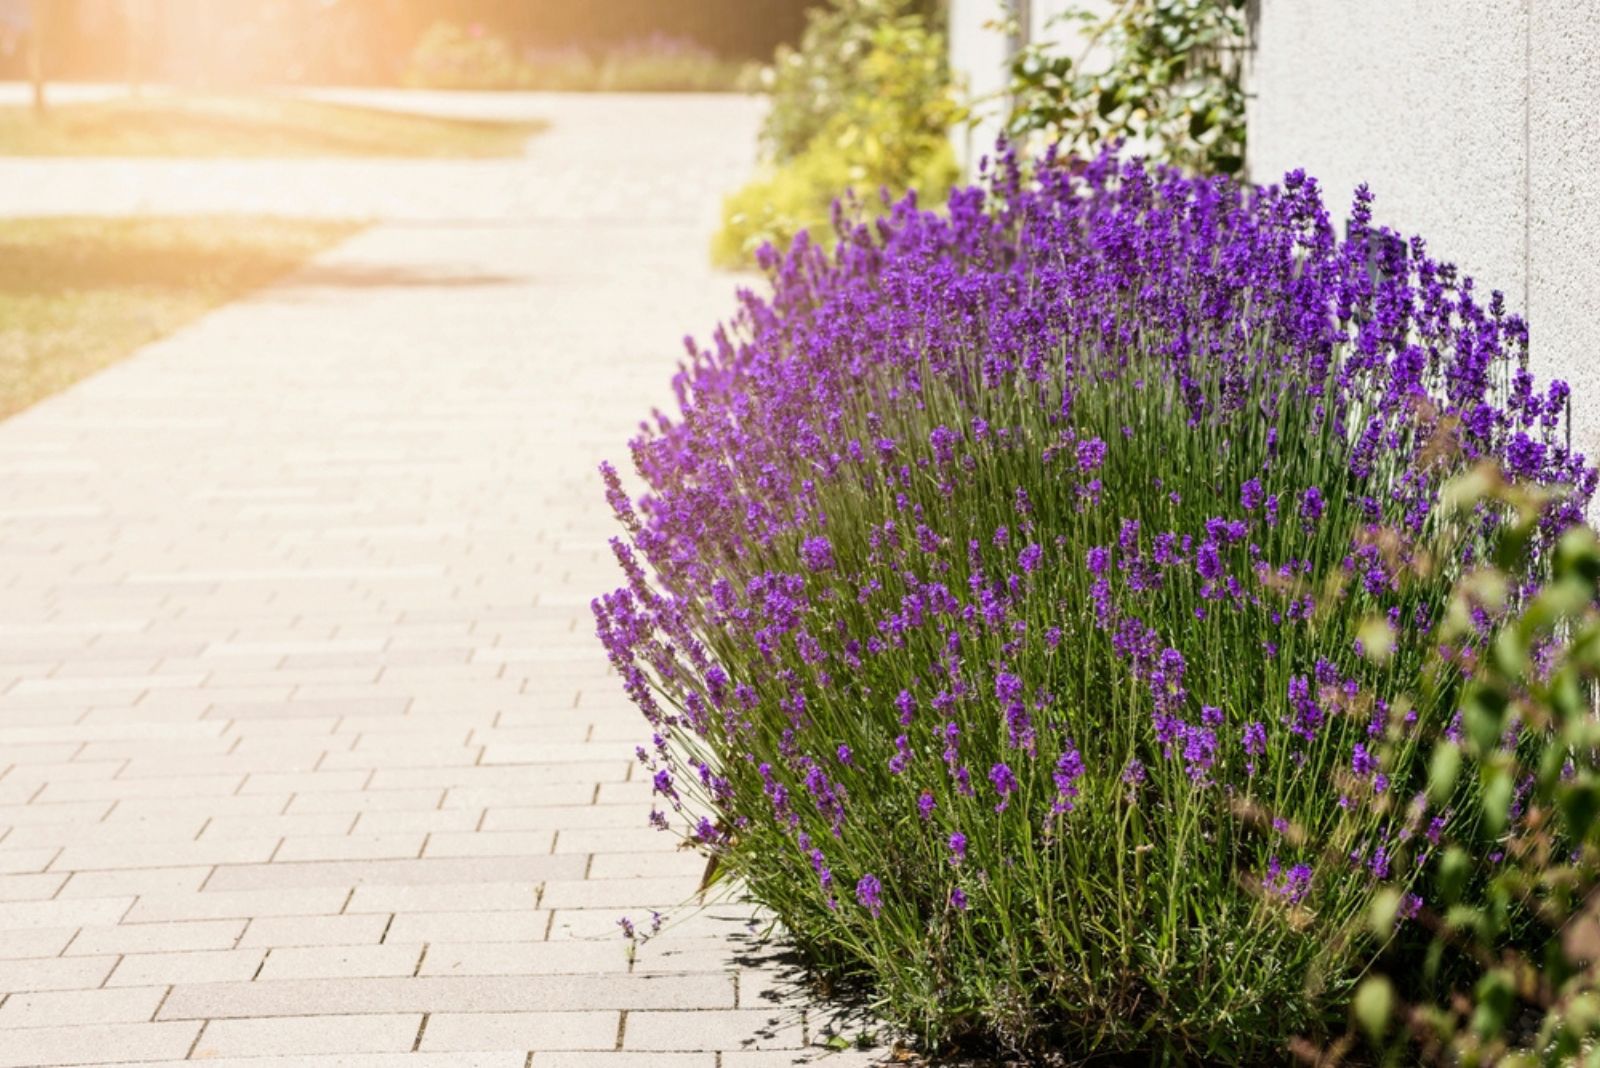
(449, 56)
(864, 103)
(1171, 83)
(1003, 594)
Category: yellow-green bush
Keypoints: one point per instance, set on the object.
(864, 104)
(800, 195)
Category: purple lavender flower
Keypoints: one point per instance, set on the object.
(1362, 762)
(1306, 714)
(1166, 681)
(1250, 495)
(1069, 769)
(1255, 743)
(869, 891)
(902, 755)
(1379, 864)
(1312, 505)
(1291, 884)
(1005, 784)
(952, 743)
(958, 848)
(817, 553)
(1199, 752)
(1128, 537)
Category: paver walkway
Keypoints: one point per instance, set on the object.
(307, 755)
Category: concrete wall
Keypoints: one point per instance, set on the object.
(979, 54)
(1477, 124)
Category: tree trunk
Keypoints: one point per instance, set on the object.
(36, 55)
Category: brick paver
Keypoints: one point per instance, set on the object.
(307, 756)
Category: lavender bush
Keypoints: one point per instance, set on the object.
(1020, 591)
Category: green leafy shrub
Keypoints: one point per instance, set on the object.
(1173, 84)
(1001, 599)
(863, 104)
(811, 84)
(1494, 947)
(449, 56)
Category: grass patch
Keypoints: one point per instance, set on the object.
(77, 294)
(252, 126)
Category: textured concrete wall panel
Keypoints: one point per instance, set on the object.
(1564, 188)
(1422, 100)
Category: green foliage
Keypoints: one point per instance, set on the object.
(799, 196)
(815, 82)
(1499, 965)
(449, 56)
(1172, 86)
(864, 103)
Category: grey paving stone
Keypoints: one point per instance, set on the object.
(530, 1030)
(465, 994)
(34, 1046)
(299, 1035)
(730, 1029)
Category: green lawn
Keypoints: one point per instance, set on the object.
(180, 125)
(77, 293)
